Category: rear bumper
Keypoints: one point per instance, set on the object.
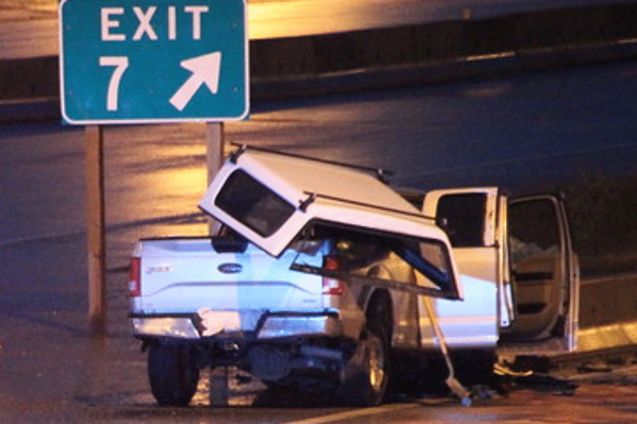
(279, 326)
(271, 326)
(180, 328)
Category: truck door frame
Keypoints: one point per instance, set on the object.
(569, 268)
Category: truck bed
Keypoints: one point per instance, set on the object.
(190, 275)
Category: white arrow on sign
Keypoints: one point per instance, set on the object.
(205, 70)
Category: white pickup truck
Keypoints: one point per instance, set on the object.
(323, 274)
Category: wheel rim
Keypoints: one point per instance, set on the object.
(376, 362)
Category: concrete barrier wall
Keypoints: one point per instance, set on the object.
(438, 41)
(608, 301)
(387, 47)
(26, 78)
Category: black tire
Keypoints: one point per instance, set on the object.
(173, 374)
(367, 375)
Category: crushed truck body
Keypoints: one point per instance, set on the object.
(323, 274)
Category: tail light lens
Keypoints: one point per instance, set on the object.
(332, 286)
(134, 280)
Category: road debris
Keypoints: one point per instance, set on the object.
(527, 379)
(454, 385)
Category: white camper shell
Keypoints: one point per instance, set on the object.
(270, 198)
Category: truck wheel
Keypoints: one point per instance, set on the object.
(173, 374)
(367, 375)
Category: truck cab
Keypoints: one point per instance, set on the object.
(521, 247)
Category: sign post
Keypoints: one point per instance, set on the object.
(215, 146)
(94, 165)
(144, 62)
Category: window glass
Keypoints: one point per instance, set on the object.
(462, 216)
(253, 204)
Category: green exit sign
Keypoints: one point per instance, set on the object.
(152, 61)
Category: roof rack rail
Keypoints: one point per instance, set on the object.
(313, 196)
(380, 173)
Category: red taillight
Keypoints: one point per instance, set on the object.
(332, 286)
(134, 282)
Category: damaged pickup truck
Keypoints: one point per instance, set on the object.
(323, 276)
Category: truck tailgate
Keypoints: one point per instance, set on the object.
(181, 276)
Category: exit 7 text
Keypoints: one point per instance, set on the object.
(111, 31)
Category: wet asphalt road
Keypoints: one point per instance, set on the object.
(526, 133)
(538, 129)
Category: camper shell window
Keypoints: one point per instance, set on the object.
(253, 204)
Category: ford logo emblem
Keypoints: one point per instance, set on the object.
(230, 268)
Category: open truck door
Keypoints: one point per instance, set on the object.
(515, 257)
(544, 273)
(474, 219)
